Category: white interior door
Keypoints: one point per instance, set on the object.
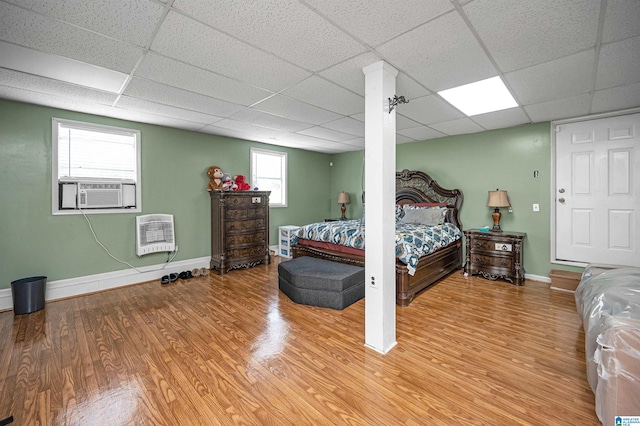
(598, 191)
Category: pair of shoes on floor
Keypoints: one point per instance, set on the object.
(199, 272)
(166, 279)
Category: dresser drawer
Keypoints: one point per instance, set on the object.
(258, 250)
(245, 213)
(498, 262)
(244, 225)
(241, 239)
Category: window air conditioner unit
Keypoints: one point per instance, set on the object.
(97, 194)
(154, 233)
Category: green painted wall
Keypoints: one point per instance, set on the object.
(477, 163)
(174, 165)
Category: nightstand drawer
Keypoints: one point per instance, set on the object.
(499, 262)
(486, 245)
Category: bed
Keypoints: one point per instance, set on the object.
(412, 188)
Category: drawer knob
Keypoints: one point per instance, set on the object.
(478, 245)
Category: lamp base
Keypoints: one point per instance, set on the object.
(343, 209)
(496, 215)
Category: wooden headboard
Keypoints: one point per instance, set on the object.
(419, 187)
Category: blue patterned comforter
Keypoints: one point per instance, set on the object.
(412, 241)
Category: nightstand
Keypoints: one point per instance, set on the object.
(495, 255)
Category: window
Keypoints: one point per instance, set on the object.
(269, 173)
(95, 168)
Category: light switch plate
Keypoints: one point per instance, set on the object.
(536, 207)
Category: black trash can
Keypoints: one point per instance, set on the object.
(28, 294)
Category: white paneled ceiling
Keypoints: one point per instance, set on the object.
(289, 72)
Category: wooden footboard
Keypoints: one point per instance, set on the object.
(430, 268)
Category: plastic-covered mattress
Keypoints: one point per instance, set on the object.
(608, 301)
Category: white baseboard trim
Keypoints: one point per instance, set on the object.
(537, 278)
(77, 286)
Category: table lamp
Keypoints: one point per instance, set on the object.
(343, 198)
(497, 199)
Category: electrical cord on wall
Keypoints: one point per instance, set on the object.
(95, 237)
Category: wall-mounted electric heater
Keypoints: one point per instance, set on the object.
(154, 233)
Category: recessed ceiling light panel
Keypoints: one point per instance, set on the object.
(480, 97)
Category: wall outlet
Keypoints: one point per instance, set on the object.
(536, 207)
(373, 281)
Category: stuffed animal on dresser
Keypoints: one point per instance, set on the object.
(215, 178)
(227, 183)
(242, 183)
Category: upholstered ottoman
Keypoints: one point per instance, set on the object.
(316, 282)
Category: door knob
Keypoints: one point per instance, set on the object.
(561, 200)
(561, 190)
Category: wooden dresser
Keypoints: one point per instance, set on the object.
(239, 229)
(495, 255)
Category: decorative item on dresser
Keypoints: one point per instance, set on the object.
(239, 229)
(495, 255)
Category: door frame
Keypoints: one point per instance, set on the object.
(552, 189)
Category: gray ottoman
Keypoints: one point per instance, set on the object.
(318, 282)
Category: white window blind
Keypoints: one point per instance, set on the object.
(91, 153)
(269, 173)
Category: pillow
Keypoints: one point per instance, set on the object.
(399, 212)
(432, 216)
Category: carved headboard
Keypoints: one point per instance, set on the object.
(419, 187)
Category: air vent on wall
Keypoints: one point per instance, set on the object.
(154, 233)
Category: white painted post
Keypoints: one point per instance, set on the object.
(380, 171)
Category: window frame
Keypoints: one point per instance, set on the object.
(55, 178)
(284, 177)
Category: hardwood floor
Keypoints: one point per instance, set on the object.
(233, 350)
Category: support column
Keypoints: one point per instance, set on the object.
(380, 192)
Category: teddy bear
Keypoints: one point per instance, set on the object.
(227, 183)
(215, 178)
(242, 183)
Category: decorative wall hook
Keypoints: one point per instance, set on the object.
(395, 101)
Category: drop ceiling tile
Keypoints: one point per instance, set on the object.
(287, 28)
(163, 94)
(88, 107)
(403, 122)
(357, 142)
(616, 98)
(132, 21)
(347, 125)
(296, 110)
(457, 127)
(524, 33)
(59, 68)
(321, 93)
(359, 117)
(230, 133)
(272, 121)
(502, 119)
(575, 106)
(50, 36)
(428, 110)
(185, 39)
(349, 75)
(249, 129)
(621, 20)
(49, 86)
(557, 79)
(376, 21)
(403, 139)
(188, 77)
(440, 55)
(328, 134)
(303, 140)
(126, 102)
(336, 148)
(421, 133)
(619, 64)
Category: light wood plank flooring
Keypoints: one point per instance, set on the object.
(233, 350)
